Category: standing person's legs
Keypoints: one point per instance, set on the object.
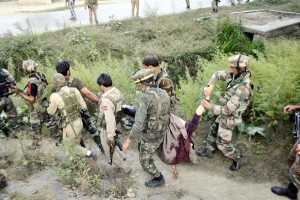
(71, 6)
(137, 5)
(224, 143)
(187, 4)
(132, 7)
(211, 144)
(292, 190)
(72, 134)
(91, 15)
(94, 8)
(11, 113)
(146, 159)
(214, 5)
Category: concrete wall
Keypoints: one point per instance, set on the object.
(30, 2)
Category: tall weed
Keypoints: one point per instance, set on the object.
(275, 76)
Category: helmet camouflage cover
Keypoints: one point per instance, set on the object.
(143, 75)
(58, 80)
(239, 61)
(29, 65)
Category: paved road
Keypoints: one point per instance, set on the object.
(51, 21)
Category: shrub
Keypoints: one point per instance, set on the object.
(230, 38)
(275, 76)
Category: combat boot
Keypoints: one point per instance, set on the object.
(205, 153)
(156, 182)
(289, 192)
(238, 163)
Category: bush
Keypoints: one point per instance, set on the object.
(275, 76)
(230, 38)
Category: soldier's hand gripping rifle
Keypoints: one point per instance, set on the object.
(118, 144)
(85, 116)
(10, 85)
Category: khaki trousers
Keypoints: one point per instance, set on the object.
(135, 4)
(72, 134)
(93, 10)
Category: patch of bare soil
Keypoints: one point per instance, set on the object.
(210, 179)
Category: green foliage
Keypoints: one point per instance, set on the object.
(77, 171)
(275, 76)
(230, 37)
(115, 24)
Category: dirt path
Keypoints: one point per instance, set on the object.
(193, 183)
(196, 183)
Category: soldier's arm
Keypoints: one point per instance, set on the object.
(219, 75)
(86, 92)
(242, 94)
(140, 117)
(80, 100)
(32, 90)
(53, 104)
(110, 120)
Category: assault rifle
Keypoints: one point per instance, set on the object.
(85, 116)
(118, 144)
(15, 91)
(297, 124)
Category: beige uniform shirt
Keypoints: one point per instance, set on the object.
(108, 109)
(56, 101)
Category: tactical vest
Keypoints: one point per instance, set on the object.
(230, 90)
(117, 102)
(159, 120)
(3, 82)
(71, 109)
(40, 102)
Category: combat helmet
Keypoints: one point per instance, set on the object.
(239, 61)
(143, 76)
(58, 80)
(29, 66)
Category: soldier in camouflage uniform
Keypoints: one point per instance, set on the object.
(7, 82)
(35, 97)
(69, 102)
(187, 4)
(108, 118)
(238, 93)
(92, 6)
(64, 69)
(151, 124)
(294, 163)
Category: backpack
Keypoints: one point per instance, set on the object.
(176, 146)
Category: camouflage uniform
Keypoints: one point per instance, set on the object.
(37, 87)
(214, 5)
(108, 118)
(151, 123)
(69, 102)
(235, 101)
(6, 103)
(294, 163)
(92, 6)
